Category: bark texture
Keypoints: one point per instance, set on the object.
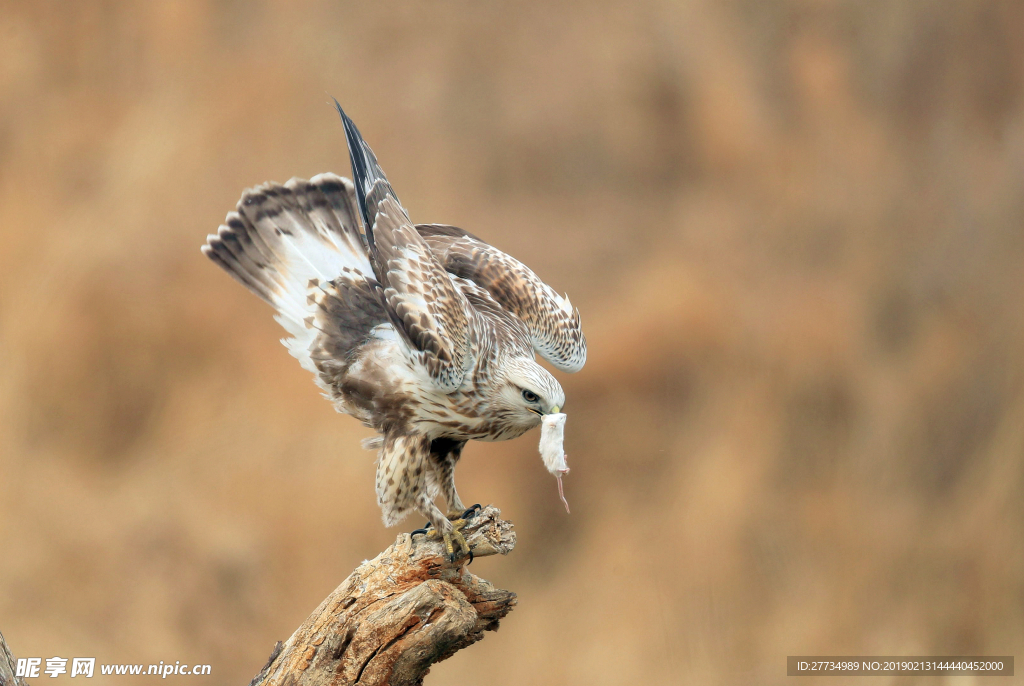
(8, 666)
(397, 614)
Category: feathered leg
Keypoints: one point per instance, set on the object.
(444, 455)
(408, 481)
(402, 477)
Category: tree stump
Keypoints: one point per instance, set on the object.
(397, 614)
(8, 666)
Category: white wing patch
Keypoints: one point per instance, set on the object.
(287, 243)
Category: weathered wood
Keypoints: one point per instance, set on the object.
(397, 614)
(8, 666)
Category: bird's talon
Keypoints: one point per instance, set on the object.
(419, 531)
(453, 538)
(471, 511)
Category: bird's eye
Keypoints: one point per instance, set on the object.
(530, 396)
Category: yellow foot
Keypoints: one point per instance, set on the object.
(456, 537)
(455, 545)
(468, 513)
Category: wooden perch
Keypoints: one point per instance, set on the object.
(397, 614)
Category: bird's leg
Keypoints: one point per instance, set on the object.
(456, 516)
(444, 454)
(458, 513)
(444, 469)
(455, 507)
(445, 529)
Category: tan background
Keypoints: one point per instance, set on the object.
(795, 231)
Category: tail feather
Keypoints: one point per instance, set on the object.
(218, 251)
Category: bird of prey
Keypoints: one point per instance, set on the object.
(423, 332)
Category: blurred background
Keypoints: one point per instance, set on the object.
(794, 229)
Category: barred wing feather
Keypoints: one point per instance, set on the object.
(553, 323)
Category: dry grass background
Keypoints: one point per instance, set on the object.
(795, 230)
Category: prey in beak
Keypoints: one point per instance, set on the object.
(552, 434)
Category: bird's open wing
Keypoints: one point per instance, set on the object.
(422, 302)
(298, 247)
(553, 324)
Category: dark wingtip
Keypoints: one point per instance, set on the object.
(360, 173)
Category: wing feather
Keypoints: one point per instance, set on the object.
(298, 247)
(553, 323)
(425, 306)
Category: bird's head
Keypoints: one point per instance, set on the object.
(528, 393)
